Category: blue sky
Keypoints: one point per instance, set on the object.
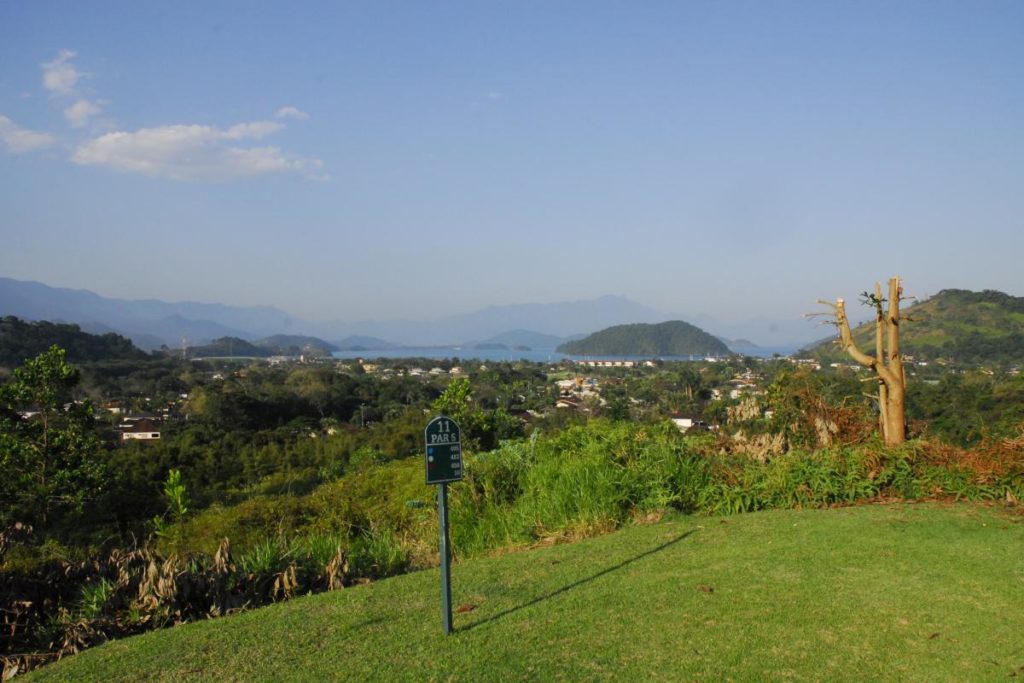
(358, 160)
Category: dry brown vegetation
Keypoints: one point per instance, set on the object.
(129, 591)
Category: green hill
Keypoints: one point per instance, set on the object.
(922, 592)
(955, 324)
(20, 340)
(673, 338)
(276, 345)
(295, 345)
(229, 347)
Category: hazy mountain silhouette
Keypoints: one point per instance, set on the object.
(151, 322)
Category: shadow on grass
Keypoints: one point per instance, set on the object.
(577, 584)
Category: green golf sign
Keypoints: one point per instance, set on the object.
(444, 450)
(444, 464)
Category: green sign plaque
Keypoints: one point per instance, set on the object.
(444, 450)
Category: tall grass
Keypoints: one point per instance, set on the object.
(377, 553)
(591, 478)
(587, 479)
(583, 480)
(379, 519)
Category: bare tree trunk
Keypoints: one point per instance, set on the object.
(887, 363)
(883, 394)
(895, 432)
(896, 426)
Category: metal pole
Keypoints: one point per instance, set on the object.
(446, 570)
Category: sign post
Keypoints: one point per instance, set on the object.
(446, 559)
(443, 465)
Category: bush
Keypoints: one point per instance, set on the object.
(377, 553)
(586, 479)
(379, 520)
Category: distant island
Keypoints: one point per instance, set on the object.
(522, 340)
(295, 345)
(228, 347)
(672, 338)
(363, 343)
(741, 345)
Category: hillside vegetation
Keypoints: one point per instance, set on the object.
(229, 347)
(295, 344)
(314, 472)
(672, 338)
(956, 325)
(20, 340)
(904, 592)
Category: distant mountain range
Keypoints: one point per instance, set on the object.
(956, 325)
(147, 322)
(560, 319)
(151, 323)
(672, 338)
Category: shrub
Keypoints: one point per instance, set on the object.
(377, 553)
(585, 479)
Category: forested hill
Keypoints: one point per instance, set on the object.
(672, 338)
(956, 325)
(294, 345)
(20, 340)
(277, 345)
(229, 347)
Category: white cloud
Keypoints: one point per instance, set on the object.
(254, 130)
(495, 96)
(79, 113)
(18, 139)
(291, 113)
(60, 76)
(194, 152)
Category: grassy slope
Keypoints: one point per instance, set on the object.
(915, 592)
(956, 318)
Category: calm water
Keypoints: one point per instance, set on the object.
(533, 355)
(441, 352)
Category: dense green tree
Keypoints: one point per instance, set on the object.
(457, 403)
(964, 407)
(49, 452)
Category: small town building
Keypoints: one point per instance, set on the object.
(142, 429)
(612, 363)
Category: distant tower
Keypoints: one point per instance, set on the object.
(184, 347)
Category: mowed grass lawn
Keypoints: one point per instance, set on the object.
(928, 592)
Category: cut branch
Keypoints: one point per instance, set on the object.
(887, 363)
